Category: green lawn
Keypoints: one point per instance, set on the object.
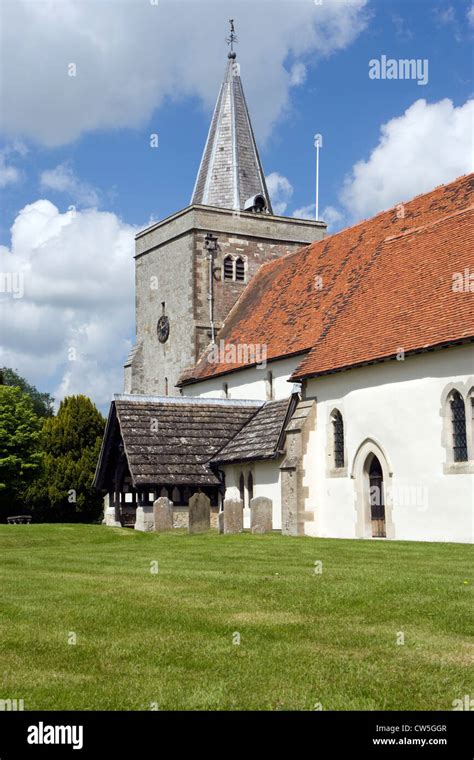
(167, 638)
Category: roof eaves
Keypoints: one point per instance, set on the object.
(379, 360)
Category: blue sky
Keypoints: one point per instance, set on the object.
(144, 70)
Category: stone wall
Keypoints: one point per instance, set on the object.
(172, 268)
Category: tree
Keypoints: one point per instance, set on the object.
(20, 458)
(42, 402)
(70, 444)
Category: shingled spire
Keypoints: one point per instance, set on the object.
(231, 172)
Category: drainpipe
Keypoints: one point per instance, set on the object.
(211, 248)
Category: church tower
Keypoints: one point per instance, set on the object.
(192, 267)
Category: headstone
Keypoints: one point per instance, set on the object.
(163, 514)
(220, 522)
(261, 510)
(199, 513)
(233, 516)
(144, 518)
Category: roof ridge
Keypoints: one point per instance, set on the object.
(186, 400)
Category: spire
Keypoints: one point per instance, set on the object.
(230, 172)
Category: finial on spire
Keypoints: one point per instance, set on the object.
(232, 40)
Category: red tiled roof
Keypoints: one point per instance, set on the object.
(364, 293)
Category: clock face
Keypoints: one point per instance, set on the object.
(163, 329)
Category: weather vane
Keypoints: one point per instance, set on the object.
(232, 40)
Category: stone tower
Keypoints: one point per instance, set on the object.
(192, 267)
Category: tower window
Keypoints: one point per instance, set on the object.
(228, 268)
(458, 420)
(240, 270)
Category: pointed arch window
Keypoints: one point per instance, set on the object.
(242, 488)
(240, 270)
(228, 268)
(470, 411)
(338, 438)
(250, 486)
(458, 422)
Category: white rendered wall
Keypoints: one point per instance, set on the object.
(266, 482)
(249, 383)
(398, 404)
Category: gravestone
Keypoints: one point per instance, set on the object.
(233, 516)
(163, 514)
(261, 510)
(220, 522)
(199, 513)
(144, 518)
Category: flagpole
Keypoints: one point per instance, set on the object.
(318, 143)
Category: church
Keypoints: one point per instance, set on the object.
(329, 378)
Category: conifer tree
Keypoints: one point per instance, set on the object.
(70, 443)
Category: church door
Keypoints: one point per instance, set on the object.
(376, 495)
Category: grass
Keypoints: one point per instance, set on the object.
(166, 639)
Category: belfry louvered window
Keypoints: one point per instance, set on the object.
(240, 270)
(458, 419)
(338, 438)
(228, 268)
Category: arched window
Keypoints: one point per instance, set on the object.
(458, 421)
(250, 486)
(228, 268)
(240, 270)
(242, 488)
(338, 438)
(269, 386)
(471, 412)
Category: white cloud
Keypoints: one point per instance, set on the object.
(9, 174)
(305, 212)
(402, 30)
(63, 180)
(333, 217)
(431, 143)
(77, 270)
(470, 15)
(281, 190)
(298, 74)
(129, 57)
(446, 15)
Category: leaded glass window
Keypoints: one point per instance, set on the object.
(458, 419)
(338, 431)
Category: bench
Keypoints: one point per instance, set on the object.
(19, 520)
